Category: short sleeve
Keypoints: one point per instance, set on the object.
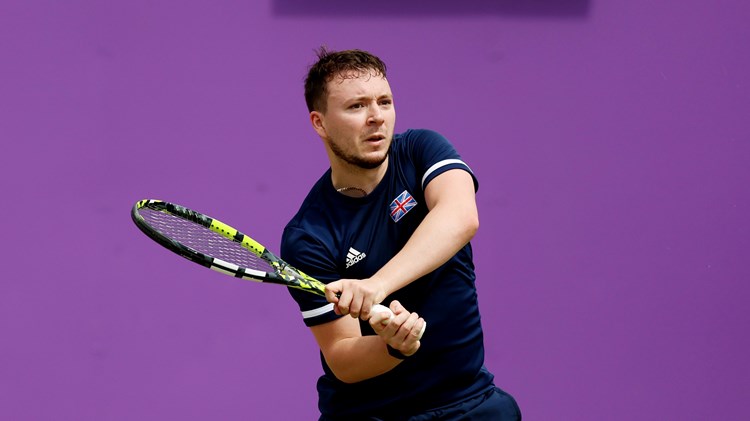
(434, 155)
(307, 254)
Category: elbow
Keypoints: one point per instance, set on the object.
(470, 226)
(347, 379)
(474, 226)
(344, 375)
(343, 370)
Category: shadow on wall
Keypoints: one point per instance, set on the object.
(427, 8)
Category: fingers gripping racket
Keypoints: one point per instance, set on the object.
(216, 245)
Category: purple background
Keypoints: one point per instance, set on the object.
(610, 139)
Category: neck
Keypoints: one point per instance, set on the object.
(356, 181)
(352, 191)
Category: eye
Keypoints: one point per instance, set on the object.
(386, 102)
(356, 106)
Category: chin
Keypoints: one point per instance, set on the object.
(370, 164)
(373, 162)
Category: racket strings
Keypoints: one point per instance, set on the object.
(203, 240)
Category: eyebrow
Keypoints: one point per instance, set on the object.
(361, 97)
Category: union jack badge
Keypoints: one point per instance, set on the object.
(401, 205)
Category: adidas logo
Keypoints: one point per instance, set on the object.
(353, 257)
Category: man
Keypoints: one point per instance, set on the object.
(389, 222)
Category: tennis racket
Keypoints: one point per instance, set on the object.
(216, 245)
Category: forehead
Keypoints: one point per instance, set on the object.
(356, 84)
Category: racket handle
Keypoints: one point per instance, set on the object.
(379, 308)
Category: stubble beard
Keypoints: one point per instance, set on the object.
(358, 161)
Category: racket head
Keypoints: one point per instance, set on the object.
(216, 245)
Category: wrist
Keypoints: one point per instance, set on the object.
(381, 286)
(395, 353)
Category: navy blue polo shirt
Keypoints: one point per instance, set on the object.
(334, 236)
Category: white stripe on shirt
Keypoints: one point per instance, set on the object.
(441, 164)
(317, 311)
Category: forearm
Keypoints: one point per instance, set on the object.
(356, 359)
(443, 232)
(353, 357)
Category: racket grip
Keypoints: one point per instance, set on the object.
(379, 308)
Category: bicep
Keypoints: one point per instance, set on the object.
(455, 188)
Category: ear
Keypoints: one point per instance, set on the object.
(316, 119)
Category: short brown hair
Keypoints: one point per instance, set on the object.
(332, 63)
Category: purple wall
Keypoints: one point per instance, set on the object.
(610, 139)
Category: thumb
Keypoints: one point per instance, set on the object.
(333, 291)
(396, 307)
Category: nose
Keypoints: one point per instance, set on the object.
(376, 116)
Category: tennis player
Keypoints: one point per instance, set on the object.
(389, 222)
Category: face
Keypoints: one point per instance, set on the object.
(358, 123)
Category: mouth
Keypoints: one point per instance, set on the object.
(377, 137)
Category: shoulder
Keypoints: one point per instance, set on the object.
(423, 145)
(311, 203)
(419, 137)
(304, 225)
(431, 152)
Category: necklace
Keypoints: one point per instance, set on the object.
(349, 189)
